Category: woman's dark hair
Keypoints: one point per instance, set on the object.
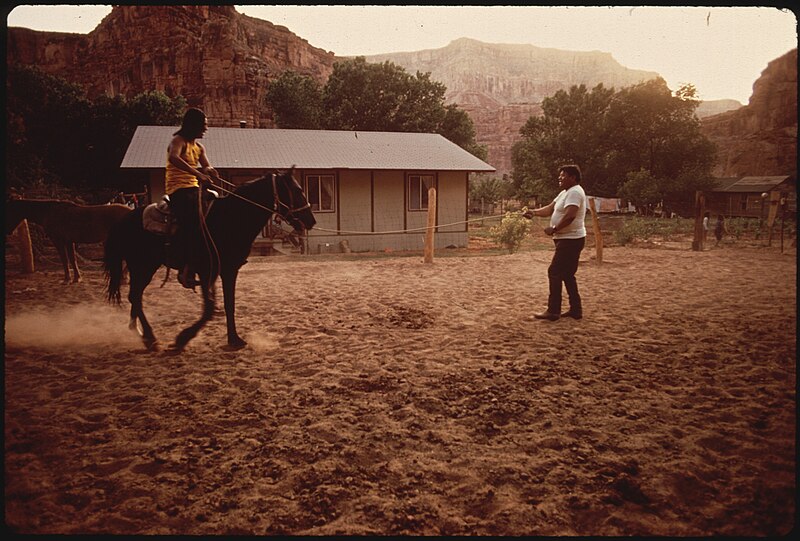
(572, 170)
(194, 121)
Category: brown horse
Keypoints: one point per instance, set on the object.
(66, 223)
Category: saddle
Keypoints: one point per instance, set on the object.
(157, 217)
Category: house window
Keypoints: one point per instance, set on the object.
(418, 186)
(743, 202)
(320, 192)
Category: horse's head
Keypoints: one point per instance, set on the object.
(292, 204)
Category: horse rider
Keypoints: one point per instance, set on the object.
(187, 169)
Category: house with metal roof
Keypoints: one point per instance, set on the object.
(369, 189)
(750, 196)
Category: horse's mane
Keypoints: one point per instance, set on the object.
(251, 185)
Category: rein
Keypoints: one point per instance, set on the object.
(276, 199)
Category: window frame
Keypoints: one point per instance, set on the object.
(423, 193)
(319, 177)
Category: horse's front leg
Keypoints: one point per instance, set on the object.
(207, 288)
(135, 294)
(73, 261)
(229, 292)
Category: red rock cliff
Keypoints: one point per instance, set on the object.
(216, 58)
(761, 137)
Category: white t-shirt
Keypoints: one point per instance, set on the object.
(571, 196)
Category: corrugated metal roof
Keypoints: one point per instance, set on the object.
(250, 148)
(750, 184)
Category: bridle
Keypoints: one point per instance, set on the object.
(276, 200)
(290, 208)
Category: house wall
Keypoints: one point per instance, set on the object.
(369, 202)
(746, 204)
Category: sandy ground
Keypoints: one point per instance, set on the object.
(386, 396)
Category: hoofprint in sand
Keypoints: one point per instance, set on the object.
(387, 396)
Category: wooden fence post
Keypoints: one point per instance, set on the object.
(774, 198)
(429, 238)
(699, 211)
(25, 247)
(598, 235)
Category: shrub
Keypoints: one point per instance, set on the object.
(511, 231)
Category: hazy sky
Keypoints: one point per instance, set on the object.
(721, 50)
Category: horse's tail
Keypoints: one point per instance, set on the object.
(113, 257)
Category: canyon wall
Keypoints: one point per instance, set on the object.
(216, 58)
(500, 86)
(223, 61)
(761, 137)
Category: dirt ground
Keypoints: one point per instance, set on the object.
(386, 396)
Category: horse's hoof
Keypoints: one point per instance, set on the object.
(152, 345)
(173, 349)
(235, 345)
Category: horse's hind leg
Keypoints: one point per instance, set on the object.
(61, 248)
(73, 261)
(135, 294)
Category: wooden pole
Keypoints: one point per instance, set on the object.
(699, 210)
(25, 247)
(598, 235)
(429, 239)
(774, 198)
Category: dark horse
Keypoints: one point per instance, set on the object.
(66, 223)
(232, 224)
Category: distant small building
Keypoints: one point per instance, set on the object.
(742, 196)
(370, 188)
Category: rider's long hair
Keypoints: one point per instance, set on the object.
(193, 123)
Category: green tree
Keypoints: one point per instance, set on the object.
(47, 127)
(372, 97)
(610, 134)
(58, 136)
(531, 178)
(486, 188)
(458, 127)
(295, 101)
(114, 121)
(642, 189)
(364, 96)
(569, 131)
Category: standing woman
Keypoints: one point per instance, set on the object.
(187, 168)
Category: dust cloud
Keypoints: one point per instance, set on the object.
(74, 329)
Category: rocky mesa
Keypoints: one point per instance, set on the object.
(223, 61)
(761, 137)
(217, 58)
(502, 85)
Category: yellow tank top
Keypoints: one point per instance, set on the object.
(175, 178)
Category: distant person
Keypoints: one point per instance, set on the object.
(567, 212)
(187, 167)
(720, 229)
(705, 226)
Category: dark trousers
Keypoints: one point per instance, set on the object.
(185, 207)
(562, 270)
